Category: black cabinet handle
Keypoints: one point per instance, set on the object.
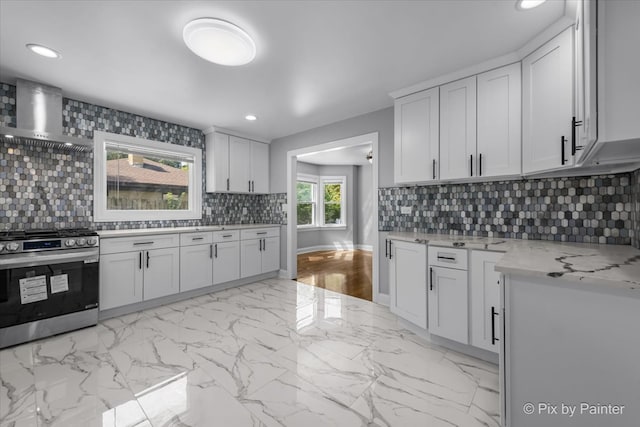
(216, 251)
(260, 245)
(227, 184)
(211, 251)
(430, 278)
(253, 186)
(471, 163)
(264, 244)
(563, 141)
(480, 164)
(574, 147)
(390, 256)
(139, 260)
(434, 168)
(148, 259)
(386, 248)
(494, 313)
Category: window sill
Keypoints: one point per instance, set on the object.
(324, 228)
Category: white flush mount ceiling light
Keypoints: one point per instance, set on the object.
(528, 4)
(43, 51)
(251, 117)
(219, 41)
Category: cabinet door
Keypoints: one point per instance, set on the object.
(161, 272)
(259, 168)
(196, 267)
(408, 281)
(217, 155)
(448, 304)
(120, 279)
(250, 257)
(416, 137)
(499, 122)
(239, 164)
(547, 107)
(485, 295)
(270, 254)
(226, 262)
(458, 129)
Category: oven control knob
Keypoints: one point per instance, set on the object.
(70, 242)
(81, 241)
(11, 247)
(92, 241)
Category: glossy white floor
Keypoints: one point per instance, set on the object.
(272, 353)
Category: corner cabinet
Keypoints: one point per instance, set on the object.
(416, 140)
(548, 105)
(408, 280)
(236, 165)
(485, 309)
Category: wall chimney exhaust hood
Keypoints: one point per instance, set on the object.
(39, 119)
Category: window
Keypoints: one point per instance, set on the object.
(321, 201)
(306, 195)
(137, 179)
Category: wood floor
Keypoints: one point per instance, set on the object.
(347, 272)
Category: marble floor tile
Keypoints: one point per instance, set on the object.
(270, 353)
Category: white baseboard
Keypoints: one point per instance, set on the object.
(346, 246)
(382, 299)
(283, 274)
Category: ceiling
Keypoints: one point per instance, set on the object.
(353, 155)
(318, 61)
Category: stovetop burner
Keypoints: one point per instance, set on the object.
(45, 234)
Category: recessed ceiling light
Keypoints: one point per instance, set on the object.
(528, 4)
(43, 51)
(219, 41)
(68, 144)
(251, 117)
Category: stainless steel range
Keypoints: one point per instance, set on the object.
(48, 283)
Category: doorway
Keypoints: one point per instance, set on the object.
(332, 232)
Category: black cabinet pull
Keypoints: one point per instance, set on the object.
(574, 147)
(386, 248)
(430, 278)
(216, 251)
(264, 244)
(434, 168)
(260, 245)
(480, 164)
(390, 256)
(139, 260)
(494, 313)
(211, 251)
(148, 259)
(227, 184)
(471, 163)
(563, 140)
(253, 186)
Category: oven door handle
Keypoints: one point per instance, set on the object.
(34, 259)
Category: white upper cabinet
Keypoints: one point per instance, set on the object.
(499, 122)
(236, 165)
(458, 129)
(548, 105)
(416, 137)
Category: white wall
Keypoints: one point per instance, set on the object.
(367, 206)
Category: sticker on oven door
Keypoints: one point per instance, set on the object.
(33, 289)
(59, 283)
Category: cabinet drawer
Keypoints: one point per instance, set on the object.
(226, 236)
(259, 233)
(197, 238)
(138, 243)
(448, 257)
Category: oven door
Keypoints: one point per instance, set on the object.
(42, 285)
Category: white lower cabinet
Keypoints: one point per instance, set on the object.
(196, 267)
(259, 251)
(448, 305)
(120, 279)
(226, 262)
(162, 273)
(408, 281)
(485, 300)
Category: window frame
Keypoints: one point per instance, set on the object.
(342, 180)
(311, 179)
(100, 211)
(319, 203)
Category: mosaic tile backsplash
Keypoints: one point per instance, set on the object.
(594, 209)
(635, 208)
(50, 188)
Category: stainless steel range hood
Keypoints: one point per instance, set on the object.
(39, 119)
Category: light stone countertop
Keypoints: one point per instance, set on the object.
(606, 265)
(105, 234)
